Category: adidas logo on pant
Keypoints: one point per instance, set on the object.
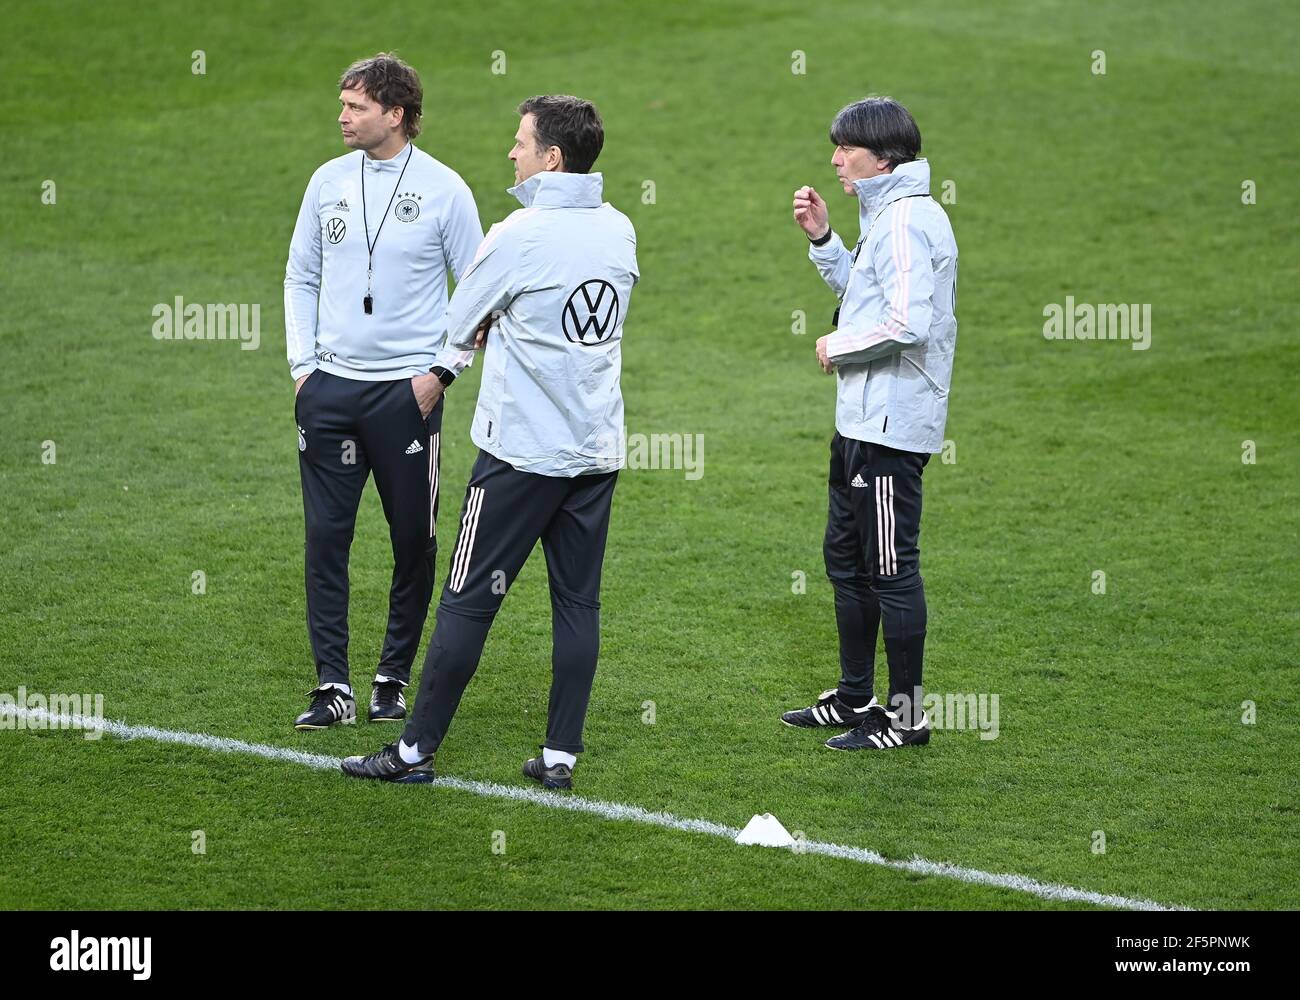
(414, 447)
(858, 480)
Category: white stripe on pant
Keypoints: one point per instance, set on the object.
(891, 564)
(465, 544)
(886, 553)
(433, 481)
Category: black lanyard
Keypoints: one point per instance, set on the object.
(835, 319)
(368, 303)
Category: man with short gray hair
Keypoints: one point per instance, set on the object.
(892, 350)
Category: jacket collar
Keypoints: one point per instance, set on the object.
(552, 189)
(904, 181)
(393, 164)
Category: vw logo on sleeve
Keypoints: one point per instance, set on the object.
(591, 314)
(335, 229)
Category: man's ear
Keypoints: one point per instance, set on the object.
(400, 114)
(554, 158)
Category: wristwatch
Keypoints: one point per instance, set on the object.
(444, 376)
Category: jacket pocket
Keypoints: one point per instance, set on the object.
(415, 400)
(935, 387)
(491, 406)
(313, 377)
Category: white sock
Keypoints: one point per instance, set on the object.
(409, 755)
(552, 757)
(345, 688)
(381, 679)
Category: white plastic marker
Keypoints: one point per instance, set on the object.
(765, 831)
(606, 810)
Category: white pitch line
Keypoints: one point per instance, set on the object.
(595, 807)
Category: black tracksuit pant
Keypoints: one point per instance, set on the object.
(347, 430)
(873, 561)
(506, 513)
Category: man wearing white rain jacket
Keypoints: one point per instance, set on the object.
(557, 275)
(892, 351)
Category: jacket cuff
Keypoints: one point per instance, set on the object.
(305, 368)
(453, 360)
(837, 345)
(829, 251)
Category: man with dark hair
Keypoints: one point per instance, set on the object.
(393, 86)
(557, 275)
(892, 349)
(570, 126)
(379, 232)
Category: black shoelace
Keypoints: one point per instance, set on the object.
(387, 694)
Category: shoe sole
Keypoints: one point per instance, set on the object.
(387, 718)
(918, 743)
(328, 725)
(553, 786)
(838, 725)
(406, 779)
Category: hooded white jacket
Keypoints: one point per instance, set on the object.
(897, 322)
(560, 272)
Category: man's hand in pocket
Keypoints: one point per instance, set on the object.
(428, 390)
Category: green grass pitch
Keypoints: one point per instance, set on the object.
(1120, 712)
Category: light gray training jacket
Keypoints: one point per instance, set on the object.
(897, 324)
(560, 272)
(430, 230)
